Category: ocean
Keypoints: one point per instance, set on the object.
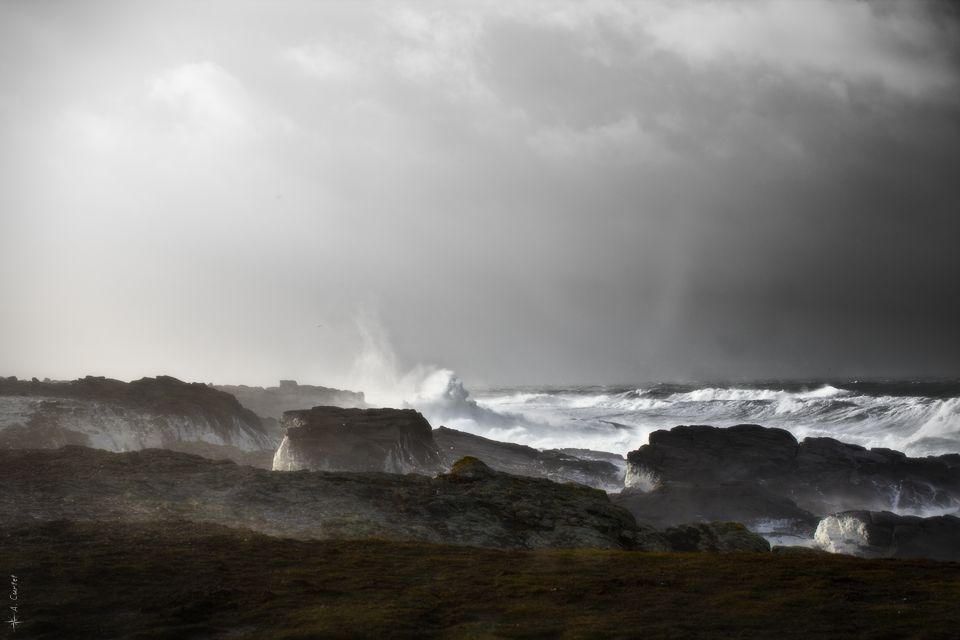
(919, 418)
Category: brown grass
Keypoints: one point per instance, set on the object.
(183, 580)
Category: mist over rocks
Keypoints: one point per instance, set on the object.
(119, 416)
(402, 441)
(472, 505)
(271, 402)
(579, 466)
(338, 439)
(672, 503)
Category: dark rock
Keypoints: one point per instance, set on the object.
(672, 503)
(557, 465)
(721, 537)
(883, 534)
(704, 454)
(336, 439)
(831, 476)
(119, 416)
(474, 505)
(271, 402)
(821, 475)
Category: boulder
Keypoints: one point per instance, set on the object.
(719, 537)
(884, 534)
(337, 439)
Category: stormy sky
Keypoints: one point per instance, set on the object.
(552, 192)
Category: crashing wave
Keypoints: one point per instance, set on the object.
(886, 417)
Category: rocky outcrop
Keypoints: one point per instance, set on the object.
(717, 537)
(593, 469)
(472, 505)
(118, 416)
(831, 476)
(888, 535)
(271, 402)
(709, 455)
(336, 439)
(820, 475)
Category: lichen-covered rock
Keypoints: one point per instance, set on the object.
(120, 416)
(473, 505)
(888, 535)
(337, 439)
(720, 537)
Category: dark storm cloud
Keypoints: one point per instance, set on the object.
(553, 192)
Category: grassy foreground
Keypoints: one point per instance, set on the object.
(184, 580)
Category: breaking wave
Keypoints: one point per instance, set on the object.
(916, 417)
(869, 414)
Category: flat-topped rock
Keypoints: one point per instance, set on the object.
(338, 439)
(705, 454)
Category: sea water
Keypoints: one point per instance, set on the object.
(917, 417)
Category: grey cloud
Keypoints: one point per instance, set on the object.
(528, 196)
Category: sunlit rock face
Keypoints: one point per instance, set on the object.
(337, 439)
(888, 535)
(117, 416)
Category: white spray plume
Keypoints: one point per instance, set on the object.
(436, 392)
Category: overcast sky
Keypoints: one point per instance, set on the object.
(549, 192)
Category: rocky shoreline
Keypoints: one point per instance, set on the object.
(354, 472)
